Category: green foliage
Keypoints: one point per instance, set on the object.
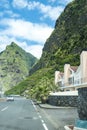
(68, 39)
(15, 64)
(36, 86)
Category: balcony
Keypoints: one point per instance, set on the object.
(75, 84)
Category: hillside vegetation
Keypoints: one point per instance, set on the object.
(68, 39)
(37, 85)
(15, 64)
(64, 45)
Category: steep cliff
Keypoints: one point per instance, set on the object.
(68, 39)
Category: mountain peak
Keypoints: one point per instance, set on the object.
(15, 64)
(13, 45)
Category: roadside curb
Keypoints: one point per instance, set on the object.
(47, 106)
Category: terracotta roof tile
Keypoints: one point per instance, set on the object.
(74, 68)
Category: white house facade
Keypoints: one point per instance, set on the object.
(73, 76)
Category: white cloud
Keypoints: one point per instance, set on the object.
(33, 5)
(4, 41)
(10, 14)
(51, 12)
(47, 10)
(26, 30)
(60, 1)
(20, 3)
(68, 1)
(64, 2)
(35, 50)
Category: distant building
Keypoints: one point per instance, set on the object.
(73, 76)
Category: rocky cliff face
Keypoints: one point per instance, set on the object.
(68, 39)
(15, 64)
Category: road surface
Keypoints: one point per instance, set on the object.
(23, 114)
(60, 117)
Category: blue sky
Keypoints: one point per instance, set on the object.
(28, 22)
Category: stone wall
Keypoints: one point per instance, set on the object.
(82, 103)
(63, 100)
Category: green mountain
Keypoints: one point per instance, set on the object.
(64, 45)
(68, 39)
(15, 64)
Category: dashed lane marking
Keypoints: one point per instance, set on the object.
(4, 108)
(43, 123)
(34, 105)
(40, 116)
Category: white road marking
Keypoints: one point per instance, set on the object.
(4, 108)
(34, 106)
(45, 127)
(42, 121)
(40, 116)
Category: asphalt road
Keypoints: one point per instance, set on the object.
(20, 114)
(60, 117)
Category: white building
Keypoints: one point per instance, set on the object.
(73, 77)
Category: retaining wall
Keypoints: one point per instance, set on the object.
(63, 100)
(82, 103)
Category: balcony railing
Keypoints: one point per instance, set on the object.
(73, 83)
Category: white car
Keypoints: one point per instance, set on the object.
(9, 98)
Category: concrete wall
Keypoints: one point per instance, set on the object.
(63, 100)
